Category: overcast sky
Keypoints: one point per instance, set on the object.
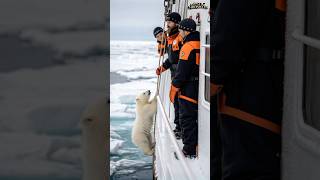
(135, 19)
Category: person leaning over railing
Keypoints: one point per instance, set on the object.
(173, 45)
(161, 40)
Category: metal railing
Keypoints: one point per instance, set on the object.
(315, 43)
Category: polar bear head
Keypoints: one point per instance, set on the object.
(143, 97)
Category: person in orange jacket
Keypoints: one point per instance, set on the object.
(173, 45)
(161, 40)
(185, 84)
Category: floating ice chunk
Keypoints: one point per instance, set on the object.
(126, 171)
(138, 75)
(18, 150)
(131, 57)
(68, 155)
(115, 145)
(113, 134)
(126, 166)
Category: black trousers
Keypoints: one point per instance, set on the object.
(215, 141)
(249, 152)
(188, 115)
(176, 113)
(176, 107)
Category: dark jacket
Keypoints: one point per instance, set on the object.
(174, 43)
(187, 73)
(237, 34)
(240, 30)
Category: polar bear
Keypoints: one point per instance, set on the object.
(94, 125)
(141, 131)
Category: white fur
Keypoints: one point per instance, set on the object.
(141, 132)
(94, 140)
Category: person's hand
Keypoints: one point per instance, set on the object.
(173, 92)
(160, 70)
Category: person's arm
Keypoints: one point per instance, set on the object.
(236, 25)
(166, 64)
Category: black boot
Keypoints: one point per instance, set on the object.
(190, 151)
(177, 133)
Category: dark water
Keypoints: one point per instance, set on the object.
(117, 78)
(126, 135)
(138, 175)
(141, 173)
(17, 54)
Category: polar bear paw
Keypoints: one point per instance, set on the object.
(149, 153)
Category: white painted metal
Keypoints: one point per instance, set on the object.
(306, 40)
(300, 142)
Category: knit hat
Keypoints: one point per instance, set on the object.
(188, 25)
(157, 30)
(174, 17)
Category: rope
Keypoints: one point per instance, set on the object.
(160, 61)
(161, 57)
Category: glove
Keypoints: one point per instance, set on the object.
(214, 89)
(160, 70)
(173, 92)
